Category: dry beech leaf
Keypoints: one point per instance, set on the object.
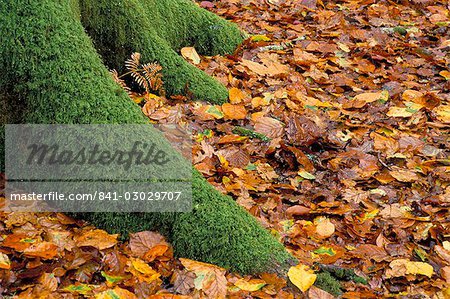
(96, 238)
(250, 285)
(316, 293)
(324, 227)
(404, 175)
(302, 277)
(116, 293)
(142, 244)
(210, 278)
(45, 250)
(236, 95)
(142, 270)
(269, 126)
(234, 111)
(5, 263)
(403, 267)
(190, 54)
(297, 211)
(362, 99)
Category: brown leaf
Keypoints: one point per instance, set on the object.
(96, 238)
(45, 250)
(268, 126)
(316, 293)
(297, 211)
(142, 245)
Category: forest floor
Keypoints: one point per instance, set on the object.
(336, 138)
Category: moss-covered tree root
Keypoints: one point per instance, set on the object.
(51, 70)
(158, 30)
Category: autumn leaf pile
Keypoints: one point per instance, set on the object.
(336, 137)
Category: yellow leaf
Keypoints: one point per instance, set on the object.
(258, 101)
(215, 112)
(260, 38)
(446, 245)
(5, 263)
(250, 285)
(142, 270)
(412, 96)
(190, 54)
(116, 293)
(445, 74)
(343, 47)
(302, 277)
(402, 267)
(142, 266)
(443, 113)
(236, 95)
(400, 112)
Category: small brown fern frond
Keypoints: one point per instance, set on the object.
(147, 76)
(132, 64)
(152, 73)
(119, 81)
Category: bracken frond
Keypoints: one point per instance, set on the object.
(148, 76)
(121, 82)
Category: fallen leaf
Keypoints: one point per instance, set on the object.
(324, 227)
(209, 278)
(316, 293)
(96, 238)
(404, 175)
(302, 277)
(116, 293)
(191, 54)
(362, 99)
(297, 211)
(234, 111)
(250, 285)
(402, 267)
(268, 126)
(145, 244)
(443, 113)
(236, 95)
(5, 263)
(45, 250)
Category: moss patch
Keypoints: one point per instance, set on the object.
(158, 30)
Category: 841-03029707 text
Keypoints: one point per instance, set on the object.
(99, 195)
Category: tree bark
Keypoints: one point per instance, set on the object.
(52, 73)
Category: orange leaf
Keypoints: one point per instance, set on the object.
(234, 111)
(45, 250)
(236, 95)
(96, 238)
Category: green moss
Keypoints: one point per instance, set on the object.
(50, 67)
(250, 133)
(343, 274)
(328, 283)
(330, 276)
(158, 30)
